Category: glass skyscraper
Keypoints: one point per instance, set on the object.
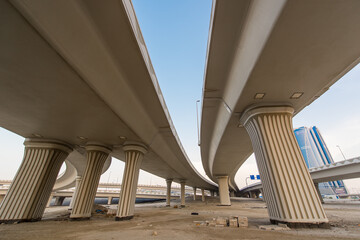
(316, 154)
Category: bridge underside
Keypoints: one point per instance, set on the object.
(277, 54)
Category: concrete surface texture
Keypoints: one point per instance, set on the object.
(155, 221)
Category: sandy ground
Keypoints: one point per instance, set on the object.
(175, 223)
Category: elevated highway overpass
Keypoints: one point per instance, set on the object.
(76, 78)
(266, 61)
(347, 169)
(110, 191)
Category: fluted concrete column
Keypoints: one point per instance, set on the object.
(182, 196)
(84, 200)
(168, 191)
(223, 182)
(109, 200)
(212, 193)
(203, 195)
(133, 158)
(194, 189)
(232, 193)
(76, 191)
(287, 186)
(30, 190)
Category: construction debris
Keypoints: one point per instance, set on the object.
(221, 221)
(111, 212)
(281, 227)
(233, 222)
(243, 221)
(99, 209)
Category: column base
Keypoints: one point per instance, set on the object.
(80, 216)
(167, 205)
(223, 205)
(11, 221)
(182, 206)
(324, 225)
(124, 218)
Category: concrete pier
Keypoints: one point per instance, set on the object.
(134, 154)
(168, 191)
(59, 201)
(84, 201)
(288, 189)
(77, 185)
(223, 182)
(31, 188)
(182, 187)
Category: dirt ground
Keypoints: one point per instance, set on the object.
(155, 221)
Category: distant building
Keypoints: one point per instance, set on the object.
(316, 154)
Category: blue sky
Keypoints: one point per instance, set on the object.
(176, 34)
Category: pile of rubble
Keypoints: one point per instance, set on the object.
(279, 227)
(234, 221)
(99, 209)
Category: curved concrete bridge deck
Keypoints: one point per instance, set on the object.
(266, 61)
(76, 76)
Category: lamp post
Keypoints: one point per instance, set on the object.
(341, 152)
(197, 121)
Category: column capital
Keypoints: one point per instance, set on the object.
(222, 176)
(254, 111)
(182, 181)
(96, 146)
(169, 180)
(135, 146)
(48, 143)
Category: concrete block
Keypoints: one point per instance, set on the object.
(243, 221)
(233, 222)
(212, 222)
(221, 221)
(111, 212)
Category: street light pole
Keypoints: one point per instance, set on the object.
(341, 152)
(197, 121)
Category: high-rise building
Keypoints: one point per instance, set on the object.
(316, 154)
